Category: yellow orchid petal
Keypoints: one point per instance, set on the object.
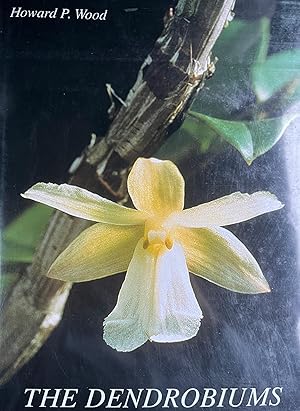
(156, 186)
(220, 257)
(82, 203)
(227, 210)
(99, 251)
(156, 301)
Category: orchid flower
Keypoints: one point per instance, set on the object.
(158, 243)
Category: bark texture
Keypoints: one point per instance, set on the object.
(167, 82)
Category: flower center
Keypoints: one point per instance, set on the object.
(157, 236)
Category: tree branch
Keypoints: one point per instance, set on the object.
(167, 81)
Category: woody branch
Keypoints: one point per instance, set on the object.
(168, 80)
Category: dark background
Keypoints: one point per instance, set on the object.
(54, 96)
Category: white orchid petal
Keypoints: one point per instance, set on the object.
(220, 257)
(82, 203)
(99, 251)
(231, 209)
(156, 186)
(156, 302)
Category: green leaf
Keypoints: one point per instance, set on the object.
(234, 132)
(21, 237)
(183, 144)
(280, 70)
(244, 42)
(266, 133)
(250, 138)
(7, 280)
(178, 147)
(13, 252)
(240, 45)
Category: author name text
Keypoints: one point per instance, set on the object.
(57, 13)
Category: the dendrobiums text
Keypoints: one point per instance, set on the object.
(144, 398)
